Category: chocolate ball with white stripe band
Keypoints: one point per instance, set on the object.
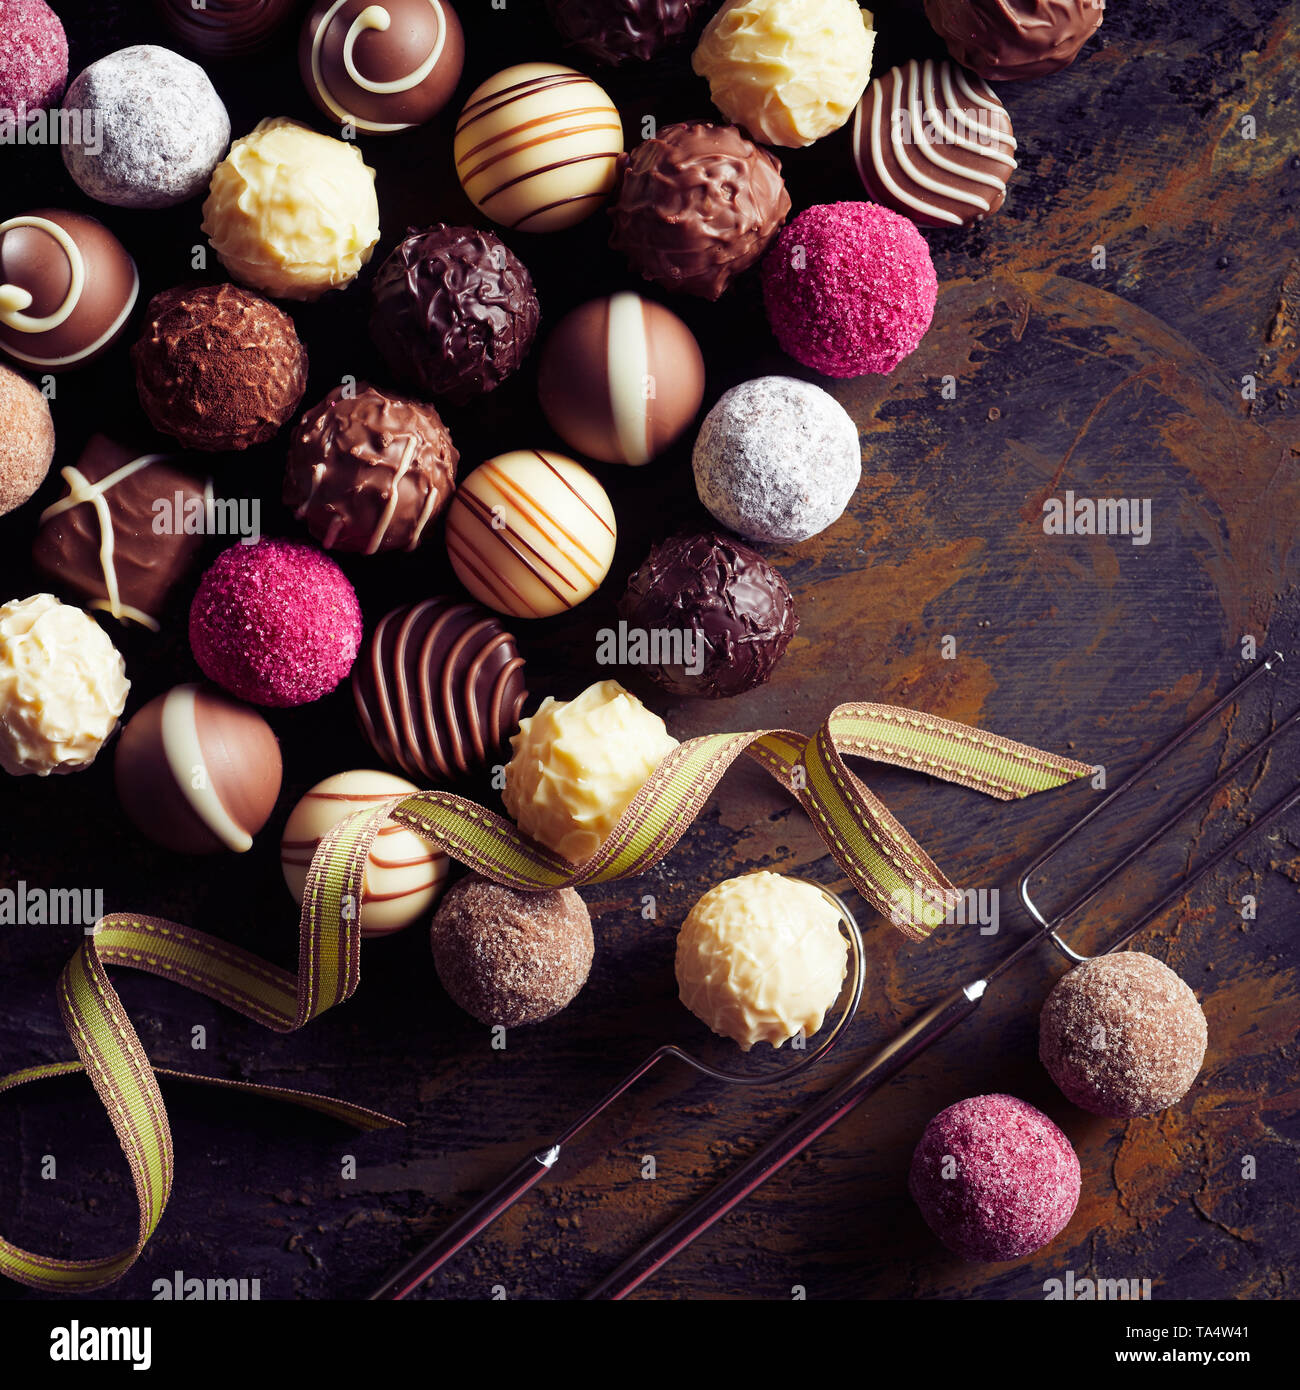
(198, 773)
(933, 142)
(621, 379)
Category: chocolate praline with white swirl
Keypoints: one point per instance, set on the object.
(1007, 40)
(381, 68)
(618, 31)
(225, 28)
(454, 312)
(439, 688)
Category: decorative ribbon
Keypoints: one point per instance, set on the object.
(887, 867)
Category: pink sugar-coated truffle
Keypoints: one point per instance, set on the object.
(849, 288)
(275, 623)
(33, 56)
(994, 1178)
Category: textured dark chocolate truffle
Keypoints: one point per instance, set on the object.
(510, 958)
(218, 367)
(369, 471)
(736, 608)
(455, 312)
(614, 31)
(1005, 40)
(696, 205)
(439, 688)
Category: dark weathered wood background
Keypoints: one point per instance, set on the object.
(1123, 381)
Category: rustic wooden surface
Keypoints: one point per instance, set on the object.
(1117, 382)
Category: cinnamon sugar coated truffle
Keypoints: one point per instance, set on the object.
(275, 623)
(33, 57)
(1122, 1035)
(26, 439)
(511, 958)
(994, 1178)
(849, 288)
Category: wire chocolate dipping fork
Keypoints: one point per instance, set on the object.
(958, 1006)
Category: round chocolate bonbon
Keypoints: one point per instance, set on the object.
(621, 31)
(1004, 41)
(225, 28)
(26, 439)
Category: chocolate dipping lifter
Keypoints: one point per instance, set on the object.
(540, 1161)
(964, 1001)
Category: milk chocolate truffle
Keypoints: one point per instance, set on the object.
(369, 471)
(1006, 40)
(225, 28)
(761, 958)
(577, 764)
(934, 143)
(197, 773)
(537, 147)
(403, 875)
(621, 379)
(438, 689)
(531, 533)
(619, 31)
(67, 288)
(697, 205)
(151, 130)
(26, 439)
(455, 312)
(63, 687)
(715, 616)
(1122, 1035)
(217, 367)
(381, 68)
(117, 538)
(511, 958)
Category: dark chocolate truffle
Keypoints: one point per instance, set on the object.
(614, 31)
(123, 534)
(696, 205)
(197, 773)
(225, 28)
(509, 957)
(381, 68)
(67, 288)
(439, 688)
(714, 615)
(218, 367)
(1122, 1035)
(455, 312)
(369, 471)
(1005, 40)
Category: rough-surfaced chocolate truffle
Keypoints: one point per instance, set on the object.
(26, 439)
(369, 471)
(697, 204)
(439, 688)
(1005, 40)
(225, 28)
(198, 773)
(455, 312)
(510, 958)
(618, 31)
(218, 367)
(1122, 1035)
(715, 616)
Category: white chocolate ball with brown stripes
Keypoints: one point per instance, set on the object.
(404, 874)
(531, 533)
(537, 147)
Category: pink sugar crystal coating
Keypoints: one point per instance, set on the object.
(1013, 1184)
(33, 56)
(849, 288)
(275, 623)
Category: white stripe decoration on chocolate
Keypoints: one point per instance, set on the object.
(627, 359)
(183, 749)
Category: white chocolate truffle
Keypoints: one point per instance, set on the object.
(63, 687)
(761, 958)
(404, 873)
(577, 764)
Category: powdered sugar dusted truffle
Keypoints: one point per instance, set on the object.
(152, 128)
(33, 57)
(777, 459)
(1122, 1035)
(994, 1178)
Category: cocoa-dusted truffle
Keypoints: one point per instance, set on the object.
(26, 439)
(455, 312)
(218, 367)
(369, 471)
(511, 958)
(1122, 1035)
(721, 600)
(696, 205)
(616, 31)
